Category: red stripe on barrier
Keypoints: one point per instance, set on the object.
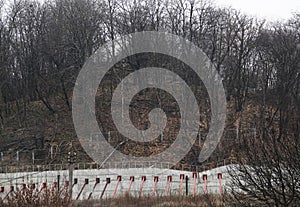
(66, 183)
(142, 184)
(205, 183)
(119, 178)
(130, 184)
(181, 182)
(44, 186)
(54, 185)
(23, 186)
(155, 183)
(220, 181)
(65, 186)
(195, 184)
(96, 183)
(86, 181)
(169, 179)
(75, 182)
(105, 186)
(9, 192)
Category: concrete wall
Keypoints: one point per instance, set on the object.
(16, 180)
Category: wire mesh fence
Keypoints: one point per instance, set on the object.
(114, 165)
(55, 159)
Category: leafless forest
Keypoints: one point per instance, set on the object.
(43, 46)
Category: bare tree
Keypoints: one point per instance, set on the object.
(267, 173)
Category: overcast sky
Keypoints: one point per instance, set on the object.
(270, 9)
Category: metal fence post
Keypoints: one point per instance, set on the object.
(17, 156)
(186, 185)
(32, 157)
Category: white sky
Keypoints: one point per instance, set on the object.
(272, 10)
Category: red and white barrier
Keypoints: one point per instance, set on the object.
(195, 183)
(181, 182)
(86, 181)
(96, 183)
(43, 187)
(74, 182)
(119, 178)
(204, 177)
(130, 184)
(154, 187)
(174, 182)
(53, 187)
(105, 186)
(11, 190)
(169, 180)
(220, 181)
(142, 185)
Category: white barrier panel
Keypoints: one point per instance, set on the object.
(106, 183)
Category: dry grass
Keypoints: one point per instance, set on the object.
(30, 197)
(160, 201)
(33, 198)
